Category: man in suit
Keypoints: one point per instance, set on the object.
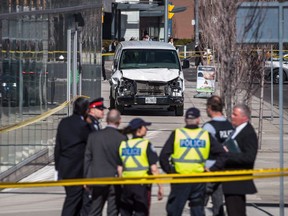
(244, 134)
(71, 139)
(101, 159)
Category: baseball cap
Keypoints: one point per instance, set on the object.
(137, 123)
(97, 103)
(192, 113)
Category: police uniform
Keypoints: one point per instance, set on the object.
(137, 155)
(221, 129)
(189, 148)
(94, 122)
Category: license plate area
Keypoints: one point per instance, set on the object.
(150, 100)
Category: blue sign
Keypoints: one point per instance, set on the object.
(192, 143)
(131, 151)
(258, 22)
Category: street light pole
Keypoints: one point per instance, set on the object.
(166, 21)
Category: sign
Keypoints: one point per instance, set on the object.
(258, 22)
(206, 79)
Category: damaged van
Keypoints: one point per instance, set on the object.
(147, 74)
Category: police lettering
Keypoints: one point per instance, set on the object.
(192, 143)
(131, 151)
(224, 133)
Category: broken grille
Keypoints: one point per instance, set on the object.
(155, 89)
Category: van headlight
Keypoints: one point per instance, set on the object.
(126, 87)
(14, 85)
(175, 87)
(4, 84)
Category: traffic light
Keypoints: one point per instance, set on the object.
(170, 8)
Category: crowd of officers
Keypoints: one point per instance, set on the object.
(85, 150)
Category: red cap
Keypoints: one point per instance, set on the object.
(97, 103)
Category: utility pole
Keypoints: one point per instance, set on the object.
(166, 21)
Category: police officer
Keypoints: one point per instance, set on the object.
(139, 159)
(96, 113)
(220, 128)
(189, 147)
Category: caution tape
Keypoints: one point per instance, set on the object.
(36, 118)
(223, 176)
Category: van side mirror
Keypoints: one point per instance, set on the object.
(186, 63)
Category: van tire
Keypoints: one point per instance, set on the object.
(112, 101)
(179, 110)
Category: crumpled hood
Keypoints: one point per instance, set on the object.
(154, 74)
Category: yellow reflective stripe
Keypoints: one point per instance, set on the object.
(182, 158)
(137, 165)
(37, 118)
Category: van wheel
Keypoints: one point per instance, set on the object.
(179, 110)
(112, 101)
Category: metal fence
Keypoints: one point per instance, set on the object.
(43, 57)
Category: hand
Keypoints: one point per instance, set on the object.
(207, 169)
(225, 148)
(160, 192)
(86, 187)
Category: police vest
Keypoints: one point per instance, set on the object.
(191, 150)
(222, 128)
(134, 157)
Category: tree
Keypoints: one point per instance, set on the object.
(240, 65)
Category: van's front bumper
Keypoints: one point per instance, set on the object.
(150, 100)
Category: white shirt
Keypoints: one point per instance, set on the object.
(239, 129)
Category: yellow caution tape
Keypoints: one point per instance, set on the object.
(160, 179)
(37, 118)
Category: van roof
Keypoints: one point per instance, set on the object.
(146, 45)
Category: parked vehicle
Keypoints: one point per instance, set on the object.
(275, 68)
(147, 74)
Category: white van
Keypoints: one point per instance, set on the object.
(147, 74)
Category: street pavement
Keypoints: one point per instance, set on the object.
(48, 201)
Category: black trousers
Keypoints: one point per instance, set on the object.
(73, 201)
(103, 70)
(181, 193)
(101, 194)
(215, 191)
(235, 204)
(135, 200)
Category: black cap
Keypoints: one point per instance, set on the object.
(97, 103)
(192, 113)
(137, 123)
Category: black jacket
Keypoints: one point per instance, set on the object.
(71, 139)
(95, 124)
(248, 143)
(216, 149)
(102, 153)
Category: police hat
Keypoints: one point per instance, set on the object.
(137, 123)
(97, 103)
(192, 113)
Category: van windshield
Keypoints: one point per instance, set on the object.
(149, 58)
